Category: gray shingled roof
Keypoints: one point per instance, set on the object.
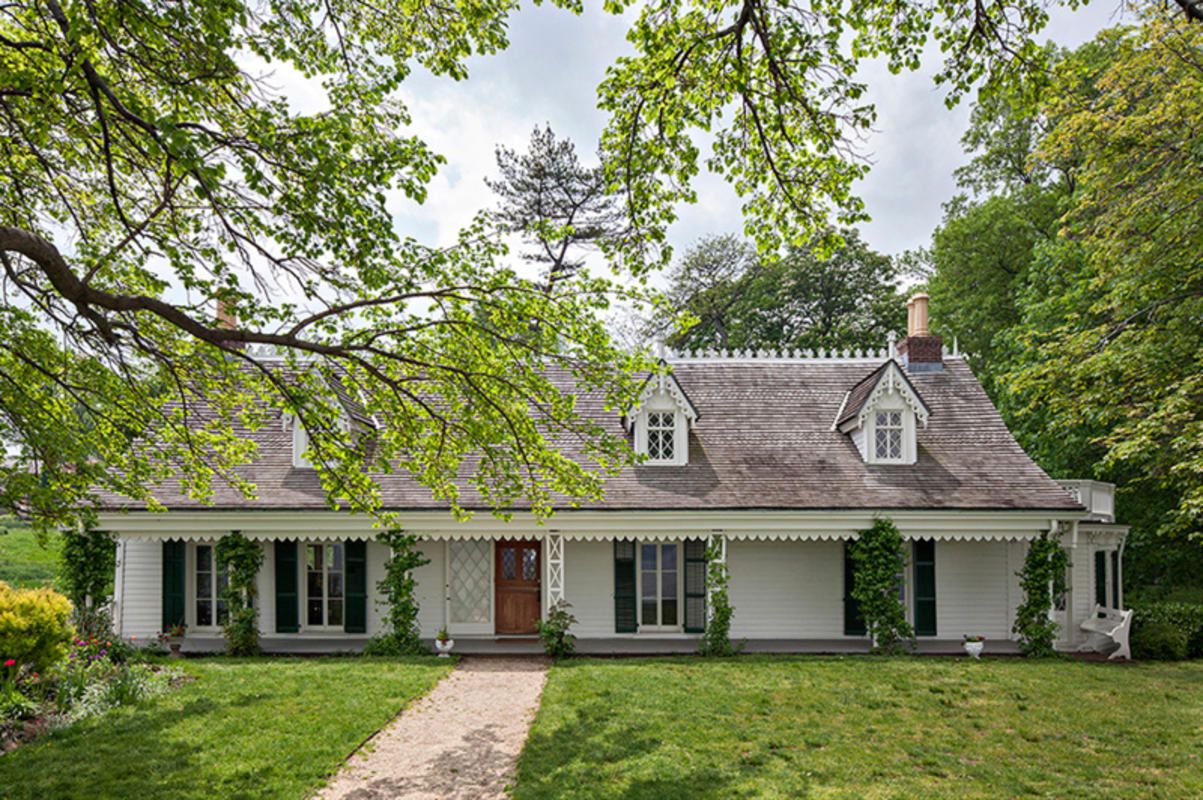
(763, 440)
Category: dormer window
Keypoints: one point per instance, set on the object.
(300, 439)
(882, 414)
(661, 436)
(661, 422)
(887, 436)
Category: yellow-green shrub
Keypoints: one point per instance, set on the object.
(35, 626)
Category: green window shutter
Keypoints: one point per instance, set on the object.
(1100, 577)
(854, 623)
(925, 586)
(625, 620)
(1115, 579)
(287, 599)
(695, 586)
(174, 580)
(356, 619)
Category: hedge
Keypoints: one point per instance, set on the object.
(1186, 617)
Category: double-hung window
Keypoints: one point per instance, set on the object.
(211, 583)
(659, 586)
(324, 573)
(887, 441)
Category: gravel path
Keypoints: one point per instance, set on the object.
(460, 741)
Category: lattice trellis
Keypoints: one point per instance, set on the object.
(469, 567)
(555, 569)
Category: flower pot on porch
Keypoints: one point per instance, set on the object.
(444, 647)
(974, 649)
(174, 643)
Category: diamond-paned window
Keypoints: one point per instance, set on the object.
(661, 433)
(888, 436)
(471, 584)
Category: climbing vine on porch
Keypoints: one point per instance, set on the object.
(241, 559)
(879, 562)
(402, 636)
(1042, 580)
(716, 641)
(87, 563)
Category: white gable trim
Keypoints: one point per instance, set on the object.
(664, 384)
(891, 381)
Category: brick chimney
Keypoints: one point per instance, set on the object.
(225, 316)
(227, 321)
(920, 351)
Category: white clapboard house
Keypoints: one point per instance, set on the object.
(779, 460)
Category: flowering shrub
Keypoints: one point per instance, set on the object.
(35, 628)
(553, 631)
(88, 688)
(95, 675)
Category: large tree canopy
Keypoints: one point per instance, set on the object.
(149, 168)
(1077, 277)
(848, 299)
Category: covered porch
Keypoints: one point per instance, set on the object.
(635, 582)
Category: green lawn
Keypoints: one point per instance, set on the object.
(243, 729)
(862, 727)
(23, 562)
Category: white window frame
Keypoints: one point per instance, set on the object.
(663, 404)
(193, 560)
(680, 598)
(890, 403)
(300, 443)
(889, 427)
(304, 567)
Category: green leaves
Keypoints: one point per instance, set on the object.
(151, 168)
(241, 559)
(805, 301)
(1042, 580)
(879, 572)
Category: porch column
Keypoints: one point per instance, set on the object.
(1119, 572)
(555, 569)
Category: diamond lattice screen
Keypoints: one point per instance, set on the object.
(469, 563)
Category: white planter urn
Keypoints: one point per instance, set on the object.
(444, 647)
(974, 649)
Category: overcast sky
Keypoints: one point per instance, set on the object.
(550, 74)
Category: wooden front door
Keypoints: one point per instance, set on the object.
(517, 577)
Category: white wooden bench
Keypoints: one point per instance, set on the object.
(1112, 625)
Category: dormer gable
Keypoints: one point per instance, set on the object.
(352, 418)
(882, 414)
(300, 436)
(660, 421)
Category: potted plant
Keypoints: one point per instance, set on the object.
(974, 645)
(443, 642)
(173, 637)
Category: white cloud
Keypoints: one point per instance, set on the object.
(550, 74)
